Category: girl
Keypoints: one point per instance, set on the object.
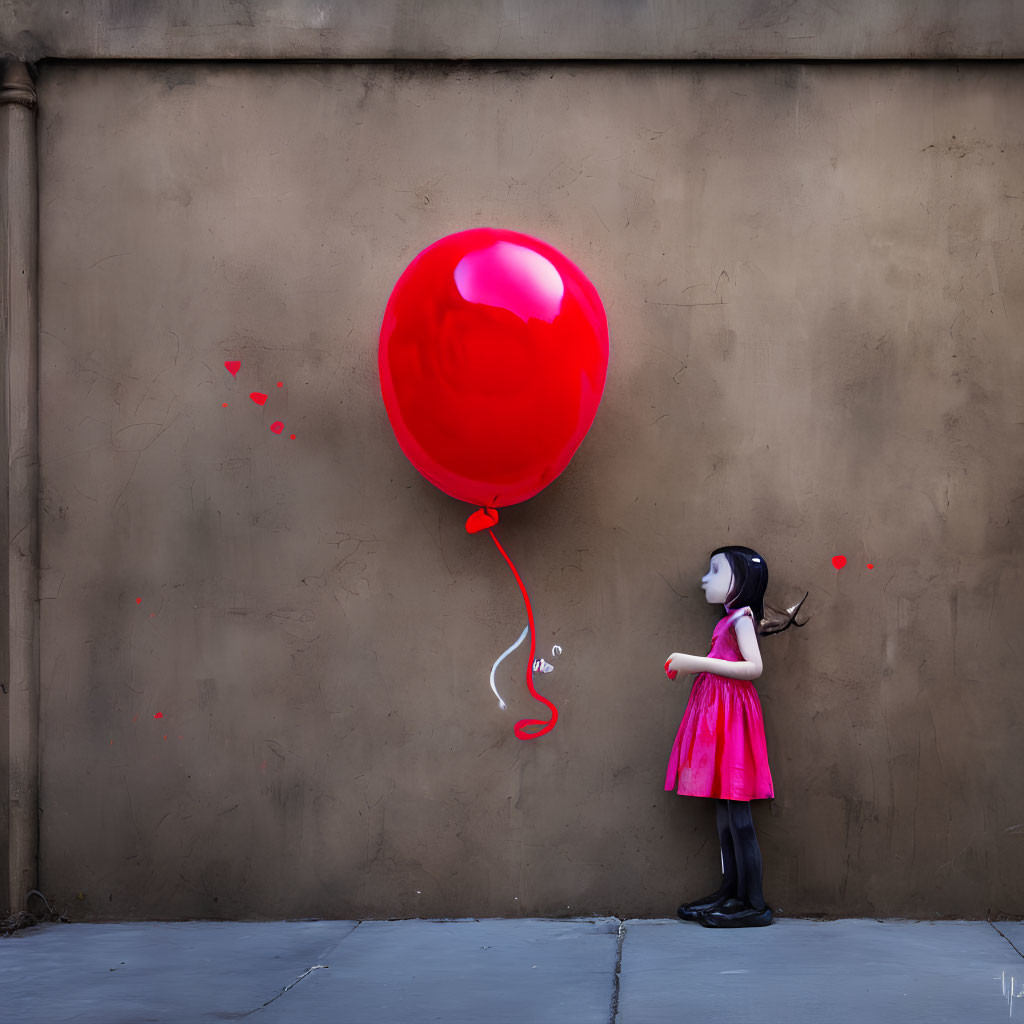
(720, 750)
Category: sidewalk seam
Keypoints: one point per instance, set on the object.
(614, 1015)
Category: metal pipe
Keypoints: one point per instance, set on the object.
(20, 213)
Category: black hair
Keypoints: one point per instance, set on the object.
(750, 580)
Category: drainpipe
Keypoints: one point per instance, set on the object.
(19, 210)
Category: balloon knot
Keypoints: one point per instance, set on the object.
(482, 519)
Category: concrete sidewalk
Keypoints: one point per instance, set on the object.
(531, 971)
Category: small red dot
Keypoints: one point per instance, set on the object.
(165, 737)
(870, 566)
(293, 437)
(159, 714)
(223, 405)
(138, 600)
(280, 383)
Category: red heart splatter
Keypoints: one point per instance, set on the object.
(839, 561)
(233, 366)
(258, 398)
(277, 427)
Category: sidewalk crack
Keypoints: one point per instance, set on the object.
(315, 967)
(614, 1015)
(1008, 939)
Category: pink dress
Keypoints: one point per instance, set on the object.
(720, 749)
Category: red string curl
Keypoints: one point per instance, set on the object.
(484, 519)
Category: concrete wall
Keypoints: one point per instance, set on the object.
(814, 277)
(494, 29)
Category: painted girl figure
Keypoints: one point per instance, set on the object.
(720, 750)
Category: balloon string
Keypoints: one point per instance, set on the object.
(522, 725)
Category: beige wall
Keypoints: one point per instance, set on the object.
(5, 665)
(814, 278)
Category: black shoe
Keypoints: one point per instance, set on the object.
(692, 911)
(734, 914)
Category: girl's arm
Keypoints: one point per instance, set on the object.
(749, 669)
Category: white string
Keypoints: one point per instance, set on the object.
(522, 637)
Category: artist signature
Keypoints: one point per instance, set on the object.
(1012, 989)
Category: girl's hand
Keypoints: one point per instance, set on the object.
(687, 664)
(680, 663)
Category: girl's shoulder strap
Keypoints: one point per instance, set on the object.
(739, 613)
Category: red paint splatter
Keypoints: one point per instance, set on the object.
(261, 399)
(233, 366)
(138, 600)
(223, 405)
(870, 566)
(839, 561)
(159, 714)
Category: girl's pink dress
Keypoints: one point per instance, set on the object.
(720, 749)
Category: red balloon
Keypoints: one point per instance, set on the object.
(493, 357)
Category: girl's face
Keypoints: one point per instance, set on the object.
(718, 582)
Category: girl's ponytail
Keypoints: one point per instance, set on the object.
(781, 621)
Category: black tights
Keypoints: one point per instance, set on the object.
(741, 856)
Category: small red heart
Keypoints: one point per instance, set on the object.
(482, 519)
(839, 561)
(258, 398)
(233, 366)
